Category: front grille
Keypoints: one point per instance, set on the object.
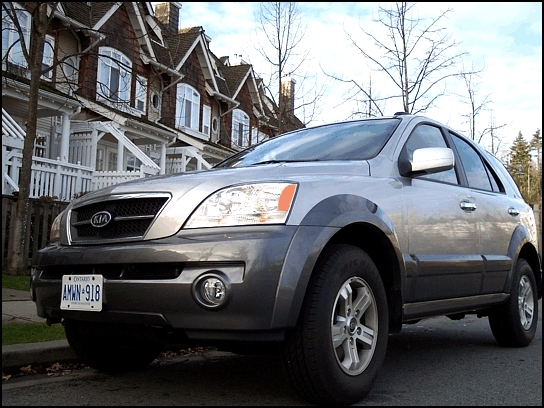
(128, 219)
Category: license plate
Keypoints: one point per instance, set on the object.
(82, 292)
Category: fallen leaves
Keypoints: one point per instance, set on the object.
(58, 369)
(53, 370)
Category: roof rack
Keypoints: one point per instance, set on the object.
(400, 113)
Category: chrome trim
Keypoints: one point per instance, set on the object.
(114, 197)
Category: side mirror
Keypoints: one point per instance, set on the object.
(427, 160)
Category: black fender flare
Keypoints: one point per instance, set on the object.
(318, 227)
(522, 243)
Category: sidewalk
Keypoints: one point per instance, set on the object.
(17, 308)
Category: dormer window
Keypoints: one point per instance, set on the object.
(114, 76)
(187, 107)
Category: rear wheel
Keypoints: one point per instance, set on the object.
(514, 323)
(112, 348)
(338, 347)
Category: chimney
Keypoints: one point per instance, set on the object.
(288, 95)
(168, 14)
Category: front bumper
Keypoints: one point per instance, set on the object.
(150, 282)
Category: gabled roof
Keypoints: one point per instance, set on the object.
(87, 13)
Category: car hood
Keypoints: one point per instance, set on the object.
(187, 190)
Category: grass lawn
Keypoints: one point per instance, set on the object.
(16, 333)
(19, 282)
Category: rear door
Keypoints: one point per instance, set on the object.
(498, 215)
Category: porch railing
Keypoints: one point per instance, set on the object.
(49, 178)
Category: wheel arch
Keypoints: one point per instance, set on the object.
(379, 247)
(345, 219)
(521, 246)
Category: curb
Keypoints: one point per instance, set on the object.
(47, 352)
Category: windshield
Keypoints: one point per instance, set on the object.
(357, 140)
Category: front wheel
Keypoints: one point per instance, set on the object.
(334, 354)
(514, 323)
(112, 348)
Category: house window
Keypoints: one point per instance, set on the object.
(11, 40)
(155, 102)
(206, 118)
(141, 93)
(40, 145)
(133, 164)
(114, 75)
(69, 68)
(187, 107)
(100, 160)
(257, 136)
(48, 54)
(240, 128)
(112, 161)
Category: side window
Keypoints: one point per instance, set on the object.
(475, 170)
(429, 136)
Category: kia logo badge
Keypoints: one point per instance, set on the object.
(100, 219)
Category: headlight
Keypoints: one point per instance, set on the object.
(264, 203)
(54, 236)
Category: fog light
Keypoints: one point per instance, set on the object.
(210, 290)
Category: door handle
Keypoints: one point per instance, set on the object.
(467, 206)
(513, 212)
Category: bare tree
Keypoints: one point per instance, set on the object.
(477, 106)
(496, 139)
(33, 55)
(417, 57)
(282, 26)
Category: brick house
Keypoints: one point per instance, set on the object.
(125, 94)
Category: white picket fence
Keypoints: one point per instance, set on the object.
(103, 179)
(55, 179)
(48, 177)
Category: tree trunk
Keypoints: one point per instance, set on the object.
(17, 265)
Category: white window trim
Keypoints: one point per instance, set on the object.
(108, 59)
(181, 104)
(12, 36)
(141, 93)
(48, 60)
(239, 117)
(206, 119)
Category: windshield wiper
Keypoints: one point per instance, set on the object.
(283, 161)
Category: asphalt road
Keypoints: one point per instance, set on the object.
(435, 362)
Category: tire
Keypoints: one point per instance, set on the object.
(112, 348)
(334, 354)
(514, 323)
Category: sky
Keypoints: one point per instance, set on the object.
(502, 39)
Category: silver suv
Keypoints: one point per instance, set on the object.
(316, 244)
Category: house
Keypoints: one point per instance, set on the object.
(125, 93)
